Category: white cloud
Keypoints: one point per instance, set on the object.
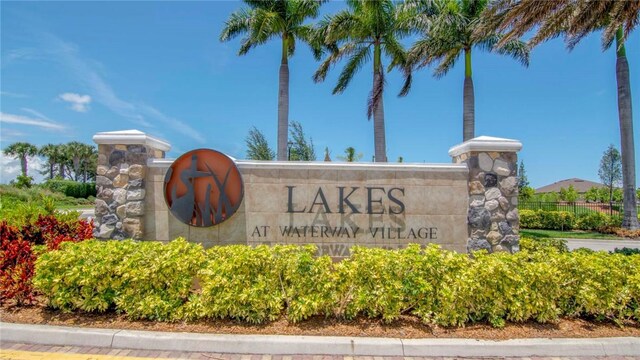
(87, 71)
(14, 95)
(24, 120)
(37, 114)
(7, 135)
(10, 168)
(79, 103)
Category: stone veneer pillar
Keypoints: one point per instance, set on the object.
(493, 220)
(120, 182)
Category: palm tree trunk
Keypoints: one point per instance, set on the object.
(625, 115)
(283, 102)
(51, 169)
(379, 136)
(23, 164)
(468, 105)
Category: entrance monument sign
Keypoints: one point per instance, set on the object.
(466, 205)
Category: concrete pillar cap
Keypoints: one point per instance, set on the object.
(486, 144)
(130, 137)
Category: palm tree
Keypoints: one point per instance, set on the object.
(54, 156)
(265, 19)
(366, 27)
(350, 155)
(575, 19)
(456, 29)
(22, 151)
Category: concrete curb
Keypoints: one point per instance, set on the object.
(314, 345)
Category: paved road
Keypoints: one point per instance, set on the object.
(16, 351)
(598, 245)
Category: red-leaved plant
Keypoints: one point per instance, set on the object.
(17, 259)
(17, 263)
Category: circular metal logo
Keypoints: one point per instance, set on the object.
(203, 188)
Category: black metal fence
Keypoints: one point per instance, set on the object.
(577, 208)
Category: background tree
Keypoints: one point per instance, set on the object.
(400, 159)
(364, 32)
(569, 195)
(610, 171)
(456, 29)
(523, 181)
(54, 155)
(266, 19)
(592, 195)
(301, 148)
(350, 155)
(575, 19)
(327, 154)
(257, 146)
(22, 151)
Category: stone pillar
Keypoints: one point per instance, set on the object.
(493, 220)
(120, 182)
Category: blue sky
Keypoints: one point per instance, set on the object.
(71, 69)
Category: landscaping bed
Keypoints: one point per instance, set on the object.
(404, 327)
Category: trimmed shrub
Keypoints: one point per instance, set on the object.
(543, 244)
(71, 188)
(256, 284)
(592, 221)
(181, 281)
(82, 276)
(548, 220)
(157, 279)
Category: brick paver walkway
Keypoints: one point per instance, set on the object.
(14, 351)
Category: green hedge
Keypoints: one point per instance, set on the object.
(180, 281)
(71, 188)
(563, 220)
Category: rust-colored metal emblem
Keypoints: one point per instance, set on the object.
(203, 188)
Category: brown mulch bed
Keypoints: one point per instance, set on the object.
(406, 327)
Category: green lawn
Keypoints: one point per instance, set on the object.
(567, 234)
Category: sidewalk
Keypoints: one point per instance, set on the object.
(313, 345)
(602, 245)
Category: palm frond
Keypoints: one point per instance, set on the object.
(394, 50)
(517, 49)
(360, 56)
(239, 22)
(336, 55)
(446, 62)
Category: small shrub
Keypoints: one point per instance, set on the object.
(23, 181)
(591, 221)
(157, 279)
(530, 219)
(548, 220)
(17, 263)
(82, 276)
(71, 188)
(626, 251)
(543, 244)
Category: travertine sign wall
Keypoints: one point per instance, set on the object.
(330, 204)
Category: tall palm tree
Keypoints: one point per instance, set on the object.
(22, 151)
(265, 19)
(363, 32)
(575, 19)
(53, 153)
(455, 30)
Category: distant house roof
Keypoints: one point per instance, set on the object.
(580, 185)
